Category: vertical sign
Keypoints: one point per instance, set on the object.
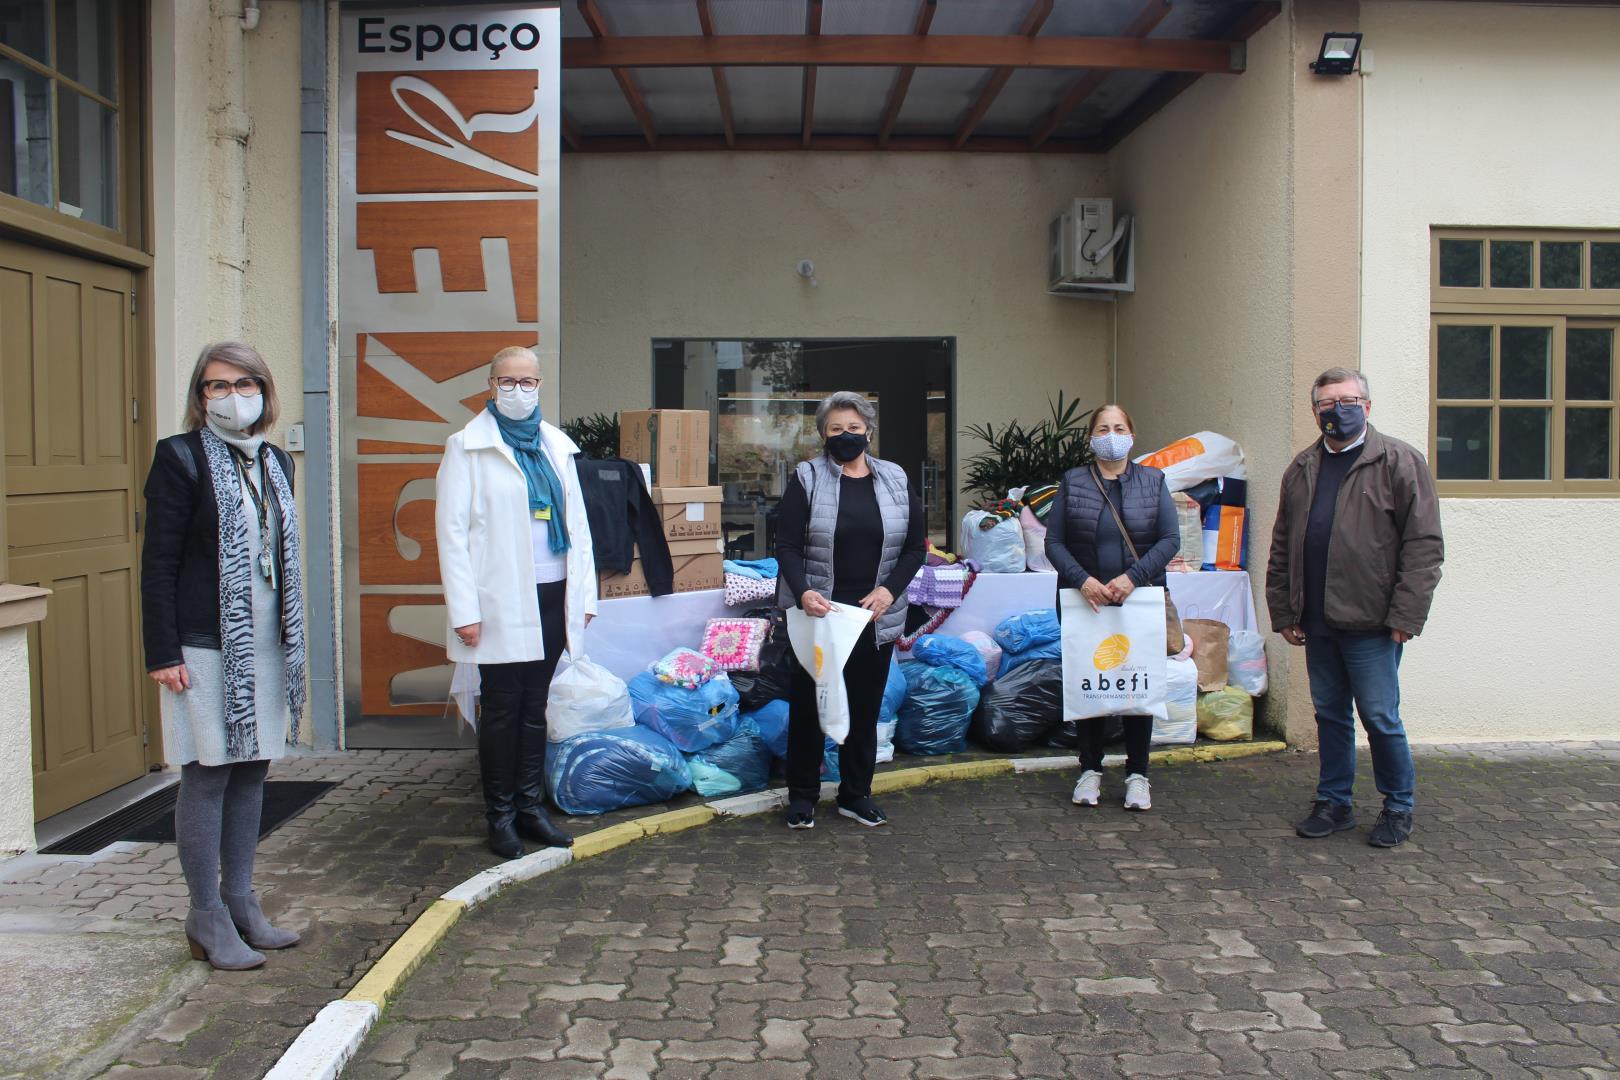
(447, 253)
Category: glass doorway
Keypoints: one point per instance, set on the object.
(761, 396)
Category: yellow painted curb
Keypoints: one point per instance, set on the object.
(901, 779)
(1217, 752)
(604, 840)
(675, 821)
(406, 955)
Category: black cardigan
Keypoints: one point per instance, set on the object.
(623, 518)
(180, 552)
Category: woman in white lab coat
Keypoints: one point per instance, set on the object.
(519, 586)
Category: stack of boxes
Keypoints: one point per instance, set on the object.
(675, 443)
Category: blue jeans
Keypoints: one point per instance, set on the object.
(1364, 669)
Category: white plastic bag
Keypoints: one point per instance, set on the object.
(822, 646)
(1246, 662)
(1180, 726)
(997, 550)
(885, 740)
(465, 684)
(1034, 541)
(1200, 457)
(989, 651)
(586, 697)
(1113, 659)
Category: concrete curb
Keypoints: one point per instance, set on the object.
(331, 1039)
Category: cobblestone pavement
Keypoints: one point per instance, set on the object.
(995, 930)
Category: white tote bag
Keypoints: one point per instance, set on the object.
(823, 646)
(1113, 659)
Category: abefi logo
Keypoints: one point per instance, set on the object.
(1110, 655)
(1111, 652)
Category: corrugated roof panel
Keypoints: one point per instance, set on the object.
(980, 16)
(1090, 18)
(1113, 97)
(594, 104)
(938, 99)
(650, 18)
(1024, 100)
(760, 16)
(851, 100)
(766, 101)
(869, 16)
(681, 100)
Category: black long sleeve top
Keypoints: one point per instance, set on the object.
(857, 541)
(1113, 557)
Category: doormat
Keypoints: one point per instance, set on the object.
(151, 820)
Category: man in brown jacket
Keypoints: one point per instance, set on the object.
(1355, 557)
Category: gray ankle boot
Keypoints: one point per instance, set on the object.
(256, 929)
(214, 939)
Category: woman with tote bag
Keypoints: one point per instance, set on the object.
(1111, 531)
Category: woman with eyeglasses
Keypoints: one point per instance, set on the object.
(519, 586)
(223, 612)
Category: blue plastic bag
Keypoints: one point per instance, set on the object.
(894, 695)
(939, 704)
(829, 763)
(691, 719)
(738, 766)
(1050, 650)
(772, 722)
(1017, 633)
(598, 771)
(941, 651)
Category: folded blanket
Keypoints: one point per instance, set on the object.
(762, 569)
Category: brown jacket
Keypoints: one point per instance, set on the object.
(1385, 552)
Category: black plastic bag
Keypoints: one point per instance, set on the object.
(1021, 708)
(774, 679)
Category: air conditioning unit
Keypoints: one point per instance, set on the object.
(1090, 254)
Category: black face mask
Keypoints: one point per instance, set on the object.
(1343, 422)
(846, 447)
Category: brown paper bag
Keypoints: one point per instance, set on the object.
(1209, 651)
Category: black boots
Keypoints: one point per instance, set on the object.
(512, 765)
(532, 820)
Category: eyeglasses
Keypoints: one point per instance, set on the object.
(509, 384)
(1328, 403)
(215, 389)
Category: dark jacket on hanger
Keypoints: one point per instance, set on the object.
(180, 552)
(623, 517)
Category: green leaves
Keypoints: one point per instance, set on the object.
(597, 436)
(1020, 457)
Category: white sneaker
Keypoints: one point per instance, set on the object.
(1089, 789)
(1137, 795)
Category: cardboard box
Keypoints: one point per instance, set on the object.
(699, 564)
(689, 513)
(675, 442)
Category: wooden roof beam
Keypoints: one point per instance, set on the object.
(902, 83)
(813, 29)
(626, 81)
(998, 144)
(1150, 16)
(721, 90)
(1034, 19)
(901, 50)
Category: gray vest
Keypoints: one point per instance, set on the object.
(820, 479)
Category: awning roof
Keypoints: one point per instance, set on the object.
(975, 75)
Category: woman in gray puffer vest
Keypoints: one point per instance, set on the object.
(1091, 554)
(850, 531)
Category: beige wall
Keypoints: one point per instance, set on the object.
(16, 744)
(705, 245)
(1205, 343)
(1488, 114)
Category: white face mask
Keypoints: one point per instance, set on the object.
(1115, 446)
(517, 403)
(233, 412)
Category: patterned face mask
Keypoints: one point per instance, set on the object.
(1112, 447)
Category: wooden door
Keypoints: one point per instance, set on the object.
(67, 355)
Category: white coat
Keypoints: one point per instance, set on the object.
(486, 557)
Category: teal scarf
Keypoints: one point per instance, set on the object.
(545, 490)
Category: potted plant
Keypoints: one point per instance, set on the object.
(1016, 456)
(597, 435)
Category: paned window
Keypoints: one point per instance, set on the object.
(1525, 353)
(60, 110)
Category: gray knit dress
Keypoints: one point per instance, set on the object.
(194, 721)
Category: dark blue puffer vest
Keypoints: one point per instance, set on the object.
(1083, 508)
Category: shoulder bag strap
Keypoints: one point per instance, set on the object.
(1135, 558)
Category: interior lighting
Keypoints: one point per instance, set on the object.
(1337, 55)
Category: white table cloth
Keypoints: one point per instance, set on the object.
(631, 632)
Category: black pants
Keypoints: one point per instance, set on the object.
(512, 717)
(865, 675)
(1138, 738)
